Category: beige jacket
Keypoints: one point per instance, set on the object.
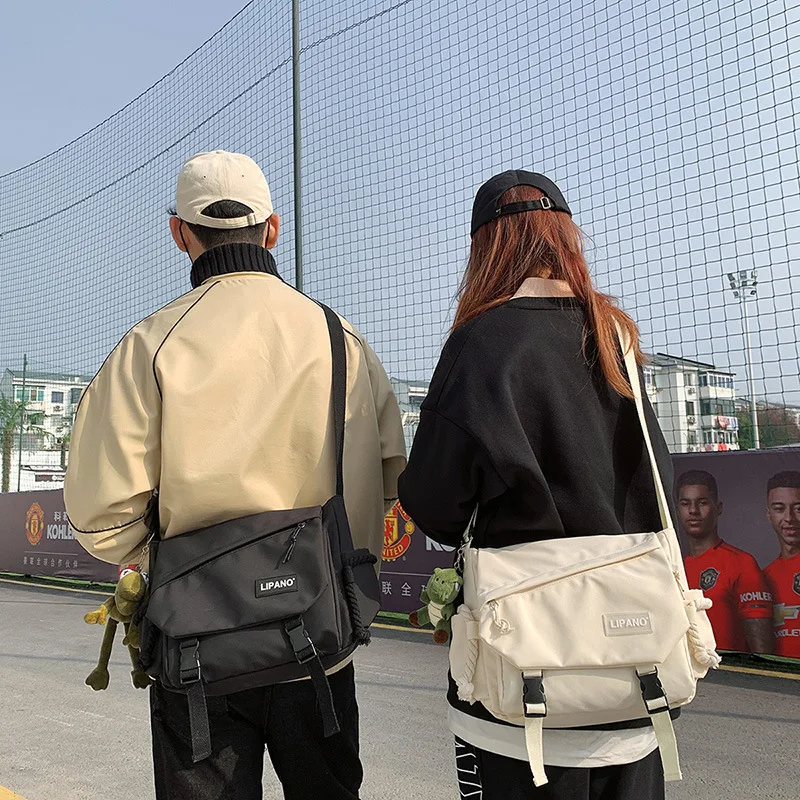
(222, 401)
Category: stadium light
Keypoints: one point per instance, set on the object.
(744, 285)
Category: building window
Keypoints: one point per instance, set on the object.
(75, 396)
(57, 398)
(725, 408)
(648, 377)
(689, 408)
(704, 380)
(33, 394)
(705, 408)
(691, 438)
(708, 437)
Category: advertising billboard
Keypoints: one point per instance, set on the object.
(36, 539)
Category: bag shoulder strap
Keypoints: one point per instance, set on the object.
(632, 368)
(338, 389)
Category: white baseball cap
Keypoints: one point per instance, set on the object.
(207, 178)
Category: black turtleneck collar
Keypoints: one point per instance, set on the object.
(229, 258)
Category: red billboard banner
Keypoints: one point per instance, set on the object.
(36, 539)
(738, 520)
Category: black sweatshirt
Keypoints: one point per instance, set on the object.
(520, 420)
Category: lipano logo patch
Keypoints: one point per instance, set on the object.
(627, 624)
(267, 587)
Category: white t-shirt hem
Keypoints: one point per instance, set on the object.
(562, 748)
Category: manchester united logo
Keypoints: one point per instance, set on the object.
(34, 524)
(796, 583)
(395, 540)
(708, 578)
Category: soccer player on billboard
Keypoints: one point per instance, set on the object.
(742, 612)
(783, 574)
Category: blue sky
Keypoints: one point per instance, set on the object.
(74, 64)
(672, 128)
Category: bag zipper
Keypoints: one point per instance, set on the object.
(524, 587)
(297, 528)
(293, 542)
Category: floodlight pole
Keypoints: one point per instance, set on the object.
(298, 210)
(743, 284)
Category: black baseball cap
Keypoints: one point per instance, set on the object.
(487, 201)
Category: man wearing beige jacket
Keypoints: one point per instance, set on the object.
(222, 401)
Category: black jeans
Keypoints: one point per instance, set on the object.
(283, 717)
(488, 776)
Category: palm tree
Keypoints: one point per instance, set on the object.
(12, 416)
(64, 442)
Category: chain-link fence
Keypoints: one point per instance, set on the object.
(671, 127)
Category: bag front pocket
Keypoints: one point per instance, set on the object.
(625, 611)
(272, 578)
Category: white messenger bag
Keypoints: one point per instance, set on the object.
(582, 631)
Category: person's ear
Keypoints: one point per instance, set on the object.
(175, 230)
(272, 231)
(719, 509)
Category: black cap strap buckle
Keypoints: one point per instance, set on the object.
(542, 204)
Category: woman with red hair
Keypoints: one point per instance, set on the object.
(531, 419)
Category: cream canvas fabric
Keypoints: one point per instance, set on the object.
(606, 626)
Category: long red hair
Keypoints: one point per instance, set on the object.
(543, 244)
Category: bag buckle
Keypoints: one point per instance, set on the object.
(534, 700)
(655, 699)
(302, 645)
(189, 662)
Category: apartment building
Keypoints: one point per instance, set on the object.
(410, 395)
(53, 399)
(695, 403)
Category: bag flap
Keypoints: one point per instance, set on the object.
(495, 572)
(627, 611)
(273, 577)
(179, 554)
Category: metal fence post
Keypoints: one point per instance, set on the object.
(22, 420)
(298, 204)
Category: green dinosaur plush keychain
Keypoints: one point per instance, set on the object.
(439, 599)
(119, 608)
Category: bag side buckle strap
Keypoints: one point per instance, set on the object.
(306, 653)
(300, 641)
(534, 704)
(534, 700)
(189, 662)
(190, 676)
(655, 699)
